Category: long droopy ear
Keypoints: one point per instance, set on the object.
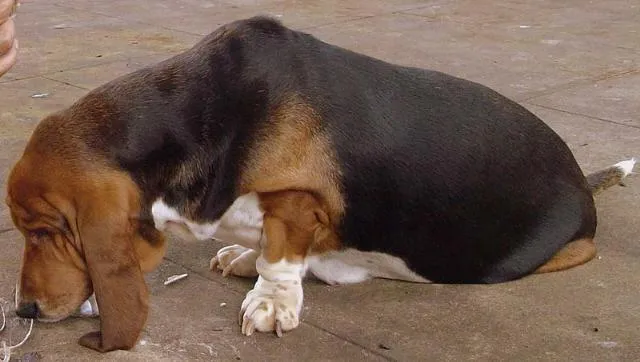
(107, 229)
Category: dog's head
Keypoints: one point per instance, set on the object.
(83, 234)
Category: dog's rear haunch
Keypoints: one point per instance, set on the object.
(308, 157)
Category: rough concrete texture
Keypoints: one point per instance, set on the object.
(574, 63)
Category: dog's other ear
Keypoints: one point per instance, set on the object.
(107, 227)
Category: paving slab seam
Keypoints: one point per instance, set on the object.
(31, 76)
(47, 75)
(430, 19)
(582, 115)
(338, 22)
(126, 20)
(406, 12)
(41, 349)
(578, 83)
(65, 83)
(349, 340)
(2, 231)
(431, 4)
(18, 78)
(365, 17)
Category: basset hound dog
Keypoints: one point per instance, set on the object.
(310, 158)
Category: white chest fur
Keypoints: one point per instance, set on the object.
(241, 223)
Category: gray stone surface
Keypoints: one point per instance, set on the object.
(575, 64)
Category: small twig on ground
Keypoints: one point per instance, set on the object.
(175, 278)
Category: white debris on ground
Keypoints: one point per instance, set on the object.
(174, 278)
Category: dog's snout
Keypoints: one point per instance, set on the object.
(28, 310)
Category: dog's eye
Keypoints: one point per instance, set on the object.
(40, 233)
(35, 236)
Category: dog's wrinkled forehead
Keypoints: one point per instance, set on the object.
(37, 214)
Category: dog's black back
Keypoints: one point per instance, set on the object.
(456, 179)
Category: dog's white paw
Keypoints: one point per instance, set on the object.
(272, 306)
(236, 260)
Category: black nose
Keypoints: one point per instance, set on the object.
(28, 310)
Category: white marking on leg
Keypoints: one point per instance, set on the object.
(275, 302)
(354, 266)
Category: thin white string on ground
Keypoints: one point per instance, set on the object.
(6, 349)
(4, 319)
(6, 352)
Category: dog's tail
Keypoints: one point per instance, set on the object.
(610, 176)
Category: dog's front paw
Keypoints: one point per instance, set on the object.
(271, 306)
(236, 260)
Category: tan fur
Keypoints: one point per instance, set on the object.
(294, 154)
(572, 254)
(295, 223)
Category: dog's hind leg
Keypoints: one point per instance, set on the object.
(236, 260)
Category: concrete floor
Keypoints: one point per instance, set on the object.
(574, 63)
